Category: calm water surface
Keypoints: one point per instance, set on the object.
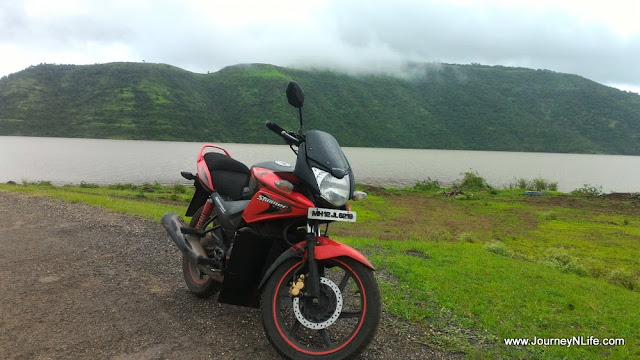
(64, 161)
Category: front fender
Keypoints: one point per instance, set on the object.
(325, 249)
(328, 248)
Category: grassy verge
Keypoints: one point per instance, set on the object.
(476, 267)
(149, 201)
(485, 265)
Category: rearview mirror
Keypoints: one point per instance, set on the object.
(295, 95)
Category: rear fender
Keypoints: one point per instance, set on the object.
(325, 249)
(199, 198)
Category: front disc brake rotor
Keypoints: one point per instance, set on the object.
(325, 300)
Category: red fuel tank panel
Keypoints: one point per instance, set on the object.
(271, 203)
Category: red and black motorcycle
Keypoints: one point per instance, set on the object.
(258, 237)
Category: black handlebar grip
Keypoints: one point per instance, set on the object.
(273, 127)
(280, 131)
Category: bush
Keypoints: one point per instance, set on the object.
(147, 187)
(179, 189)
(522, 184)
(441, 235)
(624, 278)
(549, 215)
(537, 184)
(540, 184)
(88, 185)
(467, 237)
(428, 184)
(497, 247)
(472, 181)
(36, 183)
(588, 190)
(561, 260)
(127, 186)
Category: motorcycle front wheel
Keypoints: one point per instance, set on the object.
(339, 325)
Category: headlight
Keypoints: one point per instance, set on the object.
(334, 190)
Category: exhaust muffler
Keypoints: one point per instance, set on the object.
(188, 244)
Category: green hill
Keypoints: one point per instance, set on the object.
(441, 106)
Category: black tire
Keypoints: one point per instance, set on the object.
(330, 331)
(200, 284)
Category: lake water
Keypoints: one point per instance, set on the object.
(64, 161)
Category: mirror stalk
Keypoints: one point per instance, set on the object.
(300, 130)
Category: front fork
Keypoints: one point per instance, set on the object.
(313, 231)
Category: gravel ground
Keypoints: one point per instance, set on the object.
(80, 282)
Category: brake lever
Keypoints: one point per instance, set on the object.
(296, 135)
(291, 137)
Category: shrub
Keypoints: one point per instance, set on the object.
(472, 181)
(588, 190)
(428, 184)
(127, 186)
(467, 237)
(179, 189)
(497, 247)
(441, 235)
(561, 260)
(36, 183)
(624, 278)
(88, 185)
(549, 215)
(538, 184)
(146, 187)
(522, 184)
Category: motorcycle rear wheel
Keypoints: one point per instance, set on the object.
(199, 283)
(339, 326)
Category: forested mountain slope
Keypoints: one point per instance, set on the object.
(439, 106)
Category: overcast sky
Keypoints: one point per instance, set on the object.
(599, 40)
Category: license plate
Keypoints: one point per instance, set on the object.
(331, 215)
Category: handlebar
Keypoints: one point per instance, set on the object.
(290, 139)
(274, 127)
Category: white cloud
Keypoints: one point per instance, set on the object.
(600, 41)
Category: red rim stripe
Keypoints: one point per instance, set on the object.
(304, 351)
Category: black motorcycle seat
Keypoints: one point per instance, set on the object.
(229, 176)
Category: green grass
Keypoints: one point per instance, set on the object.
(471, 299)
(499, 264)
(149, 201)
(472, 271)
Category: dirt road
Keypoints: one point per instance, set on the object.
(80, 282)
